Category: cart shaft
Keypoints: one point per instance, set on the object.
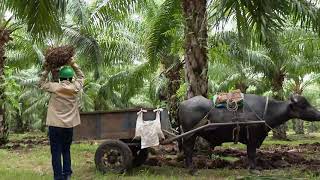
(167, 141)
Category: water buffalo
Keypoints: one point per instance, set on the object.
(272, 111)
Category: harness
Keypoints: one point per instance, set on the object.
(236, 130)
(264, 113)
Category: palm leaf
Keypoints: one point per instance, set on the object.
(41, 17)
(87, 46)
(79, 11)
(168, 18)
(111, 11)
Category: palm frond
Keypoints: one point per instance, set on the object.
(260, 60)
(310, 79)
(89, 95)
(124, 45)
(109, 11)
(306, 13)
(124, 85)
(168, 18)
(36, 104)
(79, 12)
(40, 55)
(20, 52)
(303, 51)
(27, 78)
(86, 102)
(42, 17)
(87, 46)
(259, 16)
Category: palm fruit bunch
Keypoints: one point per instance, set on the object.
(59, 56)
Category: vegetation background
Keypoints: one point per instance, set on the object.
(133, 52)
(156, 53)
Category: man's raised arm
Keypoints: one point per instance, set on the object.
(79, 79)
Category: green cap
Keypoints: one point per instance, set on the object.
(66, 72)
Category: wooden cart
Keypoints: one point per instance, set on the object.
(119, 150)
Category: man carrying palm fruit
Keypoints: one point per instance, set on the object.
(63, 115)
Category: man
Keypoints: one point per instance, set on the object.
(62, 115)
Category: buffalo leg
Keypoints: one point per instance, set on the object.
(251, 153)
(188, 147)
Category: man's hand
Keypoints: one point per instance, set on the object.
(72, 62)
(46, 66)
(55, 74)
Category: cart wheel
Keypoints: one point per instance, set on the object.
(139, 156)
(113, 156)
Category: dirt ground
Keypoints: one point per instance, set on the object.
(304, 156)
(26, 142)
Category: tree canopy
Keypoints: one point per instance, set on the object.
(133, 51)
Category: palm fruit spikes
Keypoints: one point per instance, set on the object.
(59, 56)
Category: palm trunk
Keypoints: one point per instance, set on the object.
(312, 128)
(279, 132)
(277, 87)
(196, 59)
(19, 124)
(196, 36)
(298, 124)
(4, 38)
(277, 79)
(172, 72)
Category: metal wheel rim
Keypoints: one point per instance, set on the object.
(113, 159)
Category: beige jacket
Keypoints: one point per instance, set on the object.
(63, 104)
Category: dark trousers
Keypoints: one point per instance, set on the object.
(60, 142)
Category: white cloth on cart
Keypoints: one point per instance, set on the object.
(149, 131)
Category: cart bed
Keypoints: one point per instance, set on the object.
(114, 124)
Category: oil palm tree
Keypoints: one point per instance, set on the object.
(164, 47)
(4, 39)
(161, 25)
(285, 59)
(298, 84)
(264, 19)
(41, 18)
(196, 35)
(304, 48)
(229, 65)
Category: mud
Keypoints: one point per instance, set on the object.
(267, 158)
(306, 157)
(314, 147)
(28, 142)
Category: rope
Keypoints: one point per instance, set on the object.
(235, 108)
(262, 119)
(235, 134)
(232, 105)
(205, 117)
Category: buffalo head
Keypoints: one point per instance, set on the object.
(300, 108)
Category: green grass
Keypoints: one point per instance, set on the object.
(35, 163)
